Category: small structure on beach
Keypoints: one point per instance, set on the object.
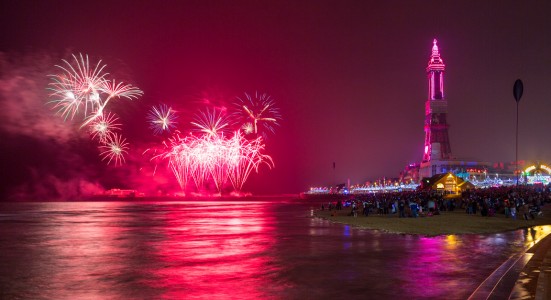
(446, 183)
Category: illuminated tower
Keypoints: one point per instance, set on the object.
(437, 142)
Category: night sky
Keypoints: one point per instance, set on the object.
(348, 76)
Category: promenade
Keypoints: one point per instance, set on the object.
(525, 275)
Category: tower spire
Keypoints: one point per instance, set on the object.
(435, 71)
(437, 144)
(435, 48)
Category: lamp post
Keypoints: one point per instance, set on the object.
(517, 92)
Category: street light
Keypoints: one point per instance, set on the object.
(517, 92)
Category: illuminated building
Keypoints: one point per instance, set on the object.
(437, 142)
(536, 174)
(437, 154)
(446, 183)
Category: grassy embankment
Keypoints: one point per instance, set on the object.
(456, 222)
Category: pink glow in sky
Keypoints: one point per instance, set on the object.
(349, 79)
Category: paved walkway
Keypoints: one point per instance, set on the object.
(525, 275)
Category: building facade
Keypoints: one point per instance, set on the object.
(437, 153)
(437, 141)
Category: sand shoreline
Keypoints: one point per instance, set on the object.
(447, 223)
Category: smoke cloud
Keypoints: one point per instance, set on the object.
(44, 158)
(23, 97)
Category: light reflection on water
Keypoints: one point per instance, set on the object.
(231, 249)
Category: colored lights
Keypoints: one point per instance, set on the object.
(436, 128)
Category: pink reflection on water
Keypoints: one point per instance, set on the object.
(74, 258)
(423, 267)
(212, 255)
(435, 265)
(237, 250)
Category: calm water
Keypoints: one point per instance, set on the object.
(264, 249)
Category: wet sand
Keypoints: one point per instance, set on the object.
(447, 222)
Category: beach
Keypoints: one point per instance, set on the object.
(446, 223)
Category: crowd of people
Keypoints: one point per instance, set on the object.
(512, 202)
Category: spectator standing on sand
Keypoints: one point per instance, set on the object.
(524, 210)
(431, 205)
(484, 210)
(470, 207)
(507, 209)
(401, 208)
(518, 203)
(513, 211)
(413, 207)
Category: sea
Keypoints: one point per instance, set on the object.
(241, 248)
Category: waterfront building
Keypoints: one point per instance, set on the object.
(446, 183)
(437, 153)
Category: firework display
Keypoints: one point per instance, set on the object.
(221, 149)
(212, 123)
(82, 90)
(215, 151)
(113, 149)
(104, 126)
(215, 158)
(162, 118)
(255, 111)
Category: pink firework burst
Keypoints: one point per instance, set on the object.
(113, 149)
(257, 111)
(120, 90)
(214, 158)
(212, 123)
(76, 89)
(244, 156)
(83, 89)
(104, 126)
(162, 118)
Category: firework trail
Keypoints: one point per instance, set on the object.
(82, 89)
(255, 110)
(245, 156)
(217, 159)
(216, 151)
(212, 123)
(179, 155)
(111, 90)
(162, 118)
(247, 128)
(113, 149)
(76, 89)
(104, 126)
